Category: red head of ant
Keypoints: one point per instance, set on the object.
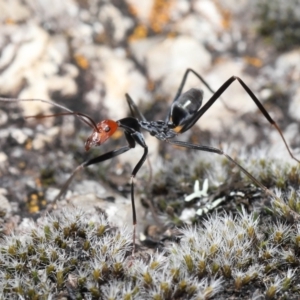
(103, 131)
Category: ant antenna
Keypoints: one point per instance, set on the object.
(81, 116)
(88, 121)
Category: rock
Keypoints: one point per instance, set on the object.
(30, 42)
(210, 12)
(3, 157)
(90, 186)
(187, 215)
(141, 9)
(288, 63)
(120, 23)
(116, 75)
(167, 59)
(198, 28)
(235, 97)
(119, 211)
(14, 10)
(4, 203)
(179, 9)
(18, 135)
(38, 60)
(294, 107)
(47, 136)
(3, 117)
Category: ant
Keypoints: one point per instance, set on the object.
(185, 111)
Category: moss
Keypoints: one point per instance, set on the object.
(279, 23)
(47, 177)
(241, 248)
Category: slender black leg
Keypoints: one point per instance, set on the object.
(134, 109)
(92, 161)
(138, 137)
(217, 95)
(221, 152)
(183, 81)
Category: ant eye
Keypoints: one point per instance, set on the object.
(107, 129)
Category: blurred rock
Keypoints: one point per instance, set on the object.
(3, 158)
(4, 203)
(18, 135)
(120, 23)
(14, 10)
(141, 9)
(115, 76)
(167, 59)
(3, 117)
(235, 97)
(294, 108)
(46, 137)
(119, 211)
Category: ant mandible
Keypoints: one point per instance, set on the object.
(185, 111)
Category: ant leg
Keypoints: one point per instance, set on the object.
(217, 95)
(221, 152)
(92, 161)
(134, 109)
(183, 81)
(138, 137)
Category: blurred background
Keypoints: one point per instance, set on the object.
(87, 54)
